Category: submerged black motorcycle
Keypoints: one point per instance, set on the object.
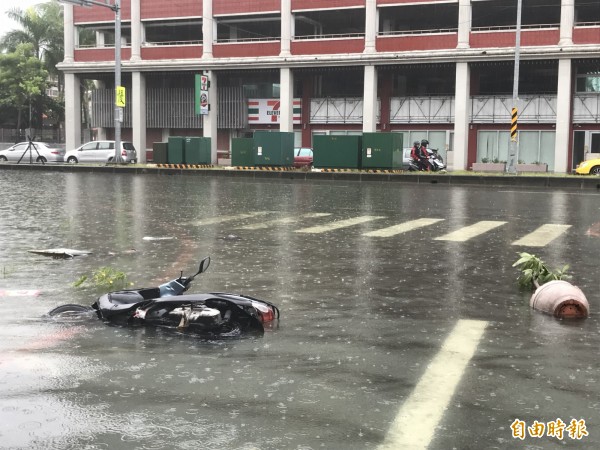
(212, 315)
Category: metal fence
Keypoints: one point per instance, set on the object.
(12, 136)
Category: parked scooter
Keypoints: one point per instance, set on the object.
(436, 162)
(213, 315)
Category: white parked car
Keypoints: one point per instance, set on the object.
(101, 152)
(44, 153)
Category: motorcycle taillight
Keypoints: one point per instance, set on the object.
(265, 312)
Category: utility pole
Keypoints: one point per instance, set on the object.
(514, 146)
(119, 90)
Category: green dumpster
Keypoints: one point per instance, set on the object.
(341, 152)
(175, 150)
(382, 151)
(242, 152)
(197, 150)
(159, 152)
(273, 148)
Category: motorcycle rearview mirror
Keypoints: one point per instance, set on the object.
(203, 267)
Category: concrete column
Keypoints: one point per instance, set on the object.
(286, 27)
(100, 39)
(138, 114)
(101, 131)
(233, 33)
(72, 111)
(286, 100)
(69, 34)
(165, 133)
(464, 23)
(563, 116)
(371, 25)
(461, 116)
(208, 30)
(136, 31)
(209, 122)
(370, 100)
(567, 21)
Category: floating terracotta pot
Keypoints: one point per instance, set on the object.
(561, 299)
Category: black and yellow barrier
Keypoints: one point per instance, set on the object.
(184, 166)
(267, 168)
(384, 171)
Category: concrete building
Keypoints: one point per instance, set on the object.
(435, 69)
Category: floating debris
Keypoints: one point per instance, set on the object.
(19, 292)
(61, 252)
(160, 238)
(594, 230)
(231, 237)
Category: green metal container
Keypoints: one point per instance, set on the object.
(340, 152)
(242, 152)
(197, 150)
(159, 152)
(382, 151)
(175, 150)
(273, 148)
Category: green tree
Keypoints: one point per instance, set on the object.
(23, 81)
(42, 27)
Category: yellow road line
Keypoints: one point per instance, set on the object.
(402, 228)
(419, 416)
(543, 235)
(466, 233)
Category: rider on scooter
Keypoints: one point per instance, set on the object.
(424, 163)
(415, 153)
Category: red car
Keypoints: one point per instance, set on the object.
(303, 157)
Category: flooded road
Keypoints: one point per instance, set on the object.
(374, 281)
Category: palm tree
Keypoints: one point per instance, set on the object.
(42, 27)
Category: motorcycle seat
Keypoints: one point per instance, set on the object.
(125, 297)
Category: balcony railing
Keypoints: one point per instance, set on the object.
(330, 36)
(418, 32)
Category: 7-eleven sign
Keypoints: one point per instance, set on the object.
(267, 111)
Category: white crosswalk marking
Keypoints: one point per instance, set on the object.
(282, 221)
(466, 233)
(220, 219)
(419, 416)
(543, 235)
(336, 225)
(402, 227)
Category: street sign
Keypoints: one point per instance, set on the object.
(120, 97)
(201, 105)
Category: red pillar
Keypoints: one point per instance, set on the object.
(385, 94)
(307, 88)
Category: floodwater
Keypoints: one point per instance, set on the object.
(362, 316)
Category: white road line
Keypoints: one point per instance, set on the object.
(283, 221)
(466, 233)
(220, 219)
(543, 235)
(338, 224)
(402, 227)
(421, 413)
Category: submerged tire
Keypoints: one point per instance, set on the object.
(69, 310)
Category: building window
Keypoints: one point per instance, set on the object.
(589, 82)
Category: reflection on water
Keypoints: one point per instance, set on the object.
(361, 316)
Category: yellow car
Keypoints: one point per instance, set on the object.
(589, 167)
